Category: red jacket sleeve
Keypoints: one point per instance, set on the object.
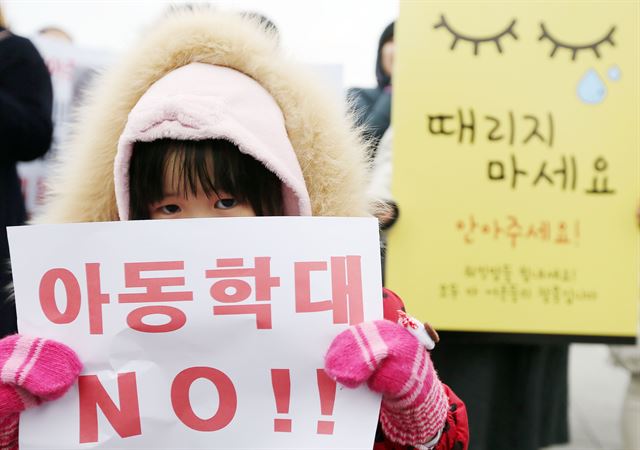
(391, 304)
(455, 434)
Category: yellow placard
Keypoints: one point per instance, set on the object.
(516, 141)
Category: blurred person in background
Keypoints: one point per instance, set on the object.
(25, 128)
(379, 189)
(372, 106)
(628, 357)
(516, 392)
(372, 110)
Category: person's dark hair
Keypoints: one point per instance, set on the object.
(387, 35)
(192, 162)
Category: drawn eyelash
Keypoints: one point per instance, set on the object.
(476, 41)
(575, 48)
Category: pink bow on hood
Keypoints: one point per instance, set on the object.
(203, 101)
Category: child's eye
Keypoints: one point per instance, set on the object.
(170, 209)
(226, 203)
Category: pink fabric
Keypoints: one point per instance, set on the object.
(9, 432)
(31, 370)
(392, 361)
(202, 101)
(14, 399)
(45, 369)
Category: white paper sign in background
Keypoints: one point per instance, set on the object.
(200, 333)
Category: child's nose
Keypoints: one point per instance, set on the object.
(202, 213)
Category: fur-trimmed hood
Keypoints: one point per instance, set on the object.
(330, 153)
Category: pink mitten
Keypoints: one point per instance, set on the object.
(44, 368)
(395, 363)
(9, 432)
(31, 370)
(14, 399)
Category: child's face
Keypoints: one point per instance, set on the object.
(178, 204)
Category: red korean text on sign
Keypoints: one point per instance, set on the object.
(73, 296)
(97, 299)
(346, 289)
(154, 293)
(230, 289)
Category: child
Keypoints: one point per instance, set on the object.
(206, 119)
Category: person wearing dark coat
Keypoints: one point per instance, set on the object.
(372, 106)
(26, 98)
(372, 111)
(516, 393)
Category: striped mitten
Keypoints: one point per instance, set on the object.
(31, 370)
(14, 399)
(9, 431)
(44, 368)
(395, 363)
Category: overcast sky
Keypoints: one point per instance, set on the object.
(318, 31)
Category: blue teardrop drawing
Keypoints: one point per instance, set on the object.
(591, 88)
(614, 73)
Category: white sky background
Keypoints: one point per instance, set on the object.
(344, 32)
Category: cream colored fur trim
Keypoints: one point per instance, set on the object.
(331, 154)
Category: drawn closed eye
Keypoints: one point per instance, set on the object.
(476, 41)
(575, 48)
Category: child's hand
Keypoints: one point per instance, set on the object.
(32, 370)
(9, 431)
(392, 361)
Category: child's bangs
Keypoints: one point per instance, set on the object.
(213, 166)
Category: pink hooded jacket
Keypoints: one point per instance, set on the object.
(202, 101)
(205, 74)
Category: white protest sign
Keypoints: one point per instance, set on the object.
(201, 333)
